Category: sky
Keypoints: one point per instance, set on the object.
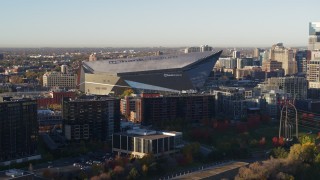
(154, 23)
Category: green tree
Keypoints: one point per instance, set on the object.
(306, 139)
(279, 152)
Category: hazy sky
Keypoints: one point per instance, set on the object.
(107, 23)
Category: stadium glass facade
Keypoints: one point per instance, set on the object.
(168, 73)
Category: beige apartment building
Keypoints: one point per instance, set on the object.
(286, 56)
(271, 65)
(57, 79)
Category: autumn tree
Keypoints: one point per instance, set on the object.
(133, 174)
(305, 153)
(55, 107)
(105, 176)
(118, 170)
(127, 92)
(145, 169)
(31, 75)
(16, 80)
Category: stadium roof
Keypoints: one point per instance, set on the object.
(148, 63)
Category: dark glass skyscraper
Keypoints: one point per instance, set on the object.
(18, 128)
(301, 58)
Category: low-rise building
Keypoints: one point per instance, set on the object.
(140, 142)
(55, 97)
(16, 174)
(58, 79)
(189, 108)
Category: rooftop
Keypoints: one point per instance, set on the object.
(149, 134)
(148, 63)
(14, 173)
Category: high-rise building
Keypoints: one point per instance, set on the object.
(272, 98)
(58, 79)
(236, 54)
(192, 49)
(313, 73)
(271, 65)
(228, 62)
(314, 36)
(242, 62)
(18, 129)
(230, 102)
(90, 119)
(264, 56)
(256, 52)
(64, 69)
(296, 87)
(313, 69)
(204, 48)
(315, 55)
(281, 54)
(1, 56)
(301, 58)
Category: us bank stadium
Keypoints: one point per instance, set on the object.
(165, 73)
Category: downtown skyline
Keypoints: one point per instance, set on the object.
(144, 23)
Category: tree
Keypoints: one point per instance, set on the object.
(262, 141)
(133, 174)
(95, 178)
(47, 173)
(31, 75)
(118, 170)
(105, 176)
(305, 153)
(127, 92)
(279, 152)
(275, 141)
(295, 152)
(306, 139)
(55, 107)
(16, 80)
(145, 169)
(317, 159)
(281, 141)
(97, 169)
(309, 152)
